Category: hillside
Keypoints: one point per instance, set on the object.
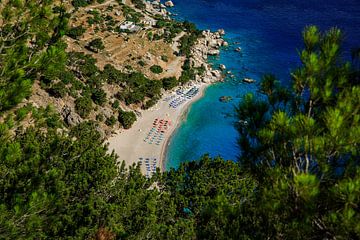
(112, 58)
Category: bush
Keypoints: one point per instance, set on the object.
(96, 45)
(127, 119)
(164, 58)
(149, 104)
(141, 63)
(139, 4)
(110, 121)
(83, 106)
(98, 96)
(187, 75)
(156, 69)
(21, 113)
(58, 90)
(67, 77)
(169, 83)
(100, 117)
(76, 32)
(81, 3)
(116, 104)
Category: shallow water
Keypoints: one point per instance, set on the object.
(269, 32)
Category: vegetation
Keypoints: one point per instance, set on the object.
(110, 121)
(131, 15)
(76, 32)
(98, 96)
(81, 3)
(188, 40)
(169, 83)
(138, 4)
(297, 176)
(20, 62)
(302, 146)
(126, 118)
(83, 106)
(96, 45)
(156, 69)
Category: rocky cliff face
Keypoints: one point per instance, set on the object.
(208, 45)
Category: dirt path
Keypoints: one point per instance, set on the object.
(99, 5)
(176, 44)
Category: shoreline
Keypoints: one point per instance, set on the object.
(147, 141)
(182, 116)
(129, 144)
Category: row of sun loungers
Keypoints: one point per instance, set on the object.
(150, 164)
(157, 132)
(183, 97)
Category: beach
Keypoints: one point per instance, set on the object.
(130, 144)
(146, 141)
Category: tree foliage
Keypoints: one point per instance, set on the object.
(29, 30)
(302, 144)
(126, 118)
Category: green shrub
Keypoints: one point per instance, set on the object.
(98, 96)
(110, 121)
(150, 35)
(164, 58)
(141, 63)
(169, 83)
(76, 32)
(96, 45)
(100, 117)
(149, 104)
(127, 119)
(112, 75)
(138, 4)
(21, 113)
(58, 90)
(116, 104)
(156, 69)
(81, 3)
(67, 77)
(83, 106)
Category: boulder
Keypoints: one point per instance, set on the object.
(216, 73)
(213, 52)
(213, 43)
(221, 31)
(248, 80)
(222, 67)
(70, 118)
(225, 44)
(169, 4)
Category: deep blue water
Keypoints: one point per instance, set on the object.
(269, 32)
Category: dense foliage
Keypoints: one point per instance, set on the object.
(96, 45)
(169, 83)
(29, 31)
(156, 69)
(127, 118)
(302, 145)
(297, 177)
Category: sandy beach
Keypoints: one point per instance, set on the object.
(132, 145)
(146, 141)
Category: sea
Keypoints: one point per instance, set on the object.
(269, 35)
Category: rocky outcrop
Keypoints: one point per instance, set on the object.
(208, 45)
(70, 117)
(213, 52)
(221, 32)
(169, 4)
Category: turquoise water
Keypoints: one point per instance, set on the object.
(269, 33)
